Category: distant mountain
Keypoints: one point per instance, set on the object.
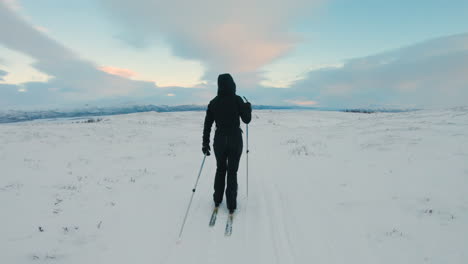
(20, 116)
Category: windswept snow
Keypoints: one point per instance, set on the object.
(325, 187)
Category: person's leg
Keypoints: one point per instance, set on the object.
(234, 155)
(219, 147)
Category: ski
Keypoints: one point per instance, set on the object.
(228, 230)
(213, 216)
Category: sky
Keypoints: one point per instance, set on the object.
(320, 53)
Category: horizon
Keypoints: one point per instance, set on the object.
(327, 53)
(88, 111)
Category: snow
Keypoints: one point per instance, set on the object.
(325, 187)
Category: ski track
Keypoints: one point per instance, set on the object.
(273, 215)
(278, 229)
(332, 188)
(282, 202)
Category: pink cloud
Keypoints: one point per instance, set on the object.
(251, 50)
(302, 102)
(42, 29)
(126, 73)
(239, 37)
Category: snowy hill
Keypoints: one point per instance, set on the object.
(325, 187)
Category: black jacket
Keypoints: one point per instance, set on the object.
(225, 109)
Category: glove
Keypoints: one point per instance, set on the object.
(248, 106)
(206, 150)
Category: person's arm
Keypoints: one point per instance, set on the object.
(245, 111)
(209, 119)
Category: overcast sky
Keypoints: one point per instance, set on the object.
(325, 53)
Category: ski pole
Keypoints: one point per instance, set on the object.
(191, 198)
(247, 153)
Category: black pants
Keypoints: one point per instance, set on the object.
(228, 151)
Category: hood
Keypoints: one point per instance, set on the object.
(226, 85)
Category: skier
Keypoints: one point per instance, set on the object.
(225, 109)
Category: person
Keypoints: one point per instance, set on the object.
(225, 109)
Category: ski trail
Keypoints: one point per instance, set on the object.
(259, 247)
(245, 233)
(278, 229)
(282, 202)
(268, 218)
(271, 229)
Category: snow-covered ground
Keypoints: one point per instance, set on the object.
(325, 187)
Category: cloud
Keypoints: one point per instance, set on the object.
(230, 36)
(13, 4)
(42, 29)
(126, 73)
(237, 38)
(428, 74)
(72, 77)
(3, 74)
(19, 67)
